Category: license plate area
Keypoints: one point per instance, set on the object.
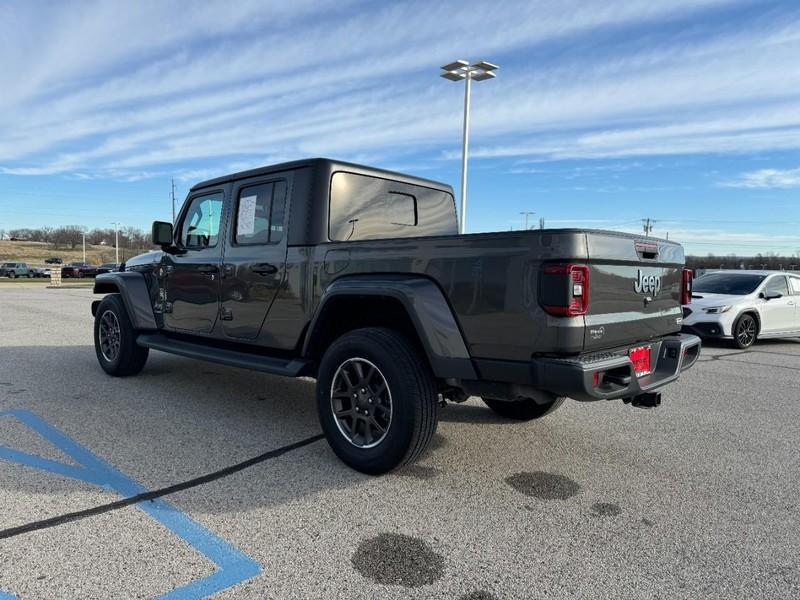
(640, 357)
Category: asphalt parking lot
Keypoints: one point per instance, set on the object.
(699, 498)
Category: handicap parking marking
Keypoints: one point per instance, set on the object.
(234, 566)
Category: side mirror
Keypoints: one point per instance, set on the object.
(771, 295)
(162, 234)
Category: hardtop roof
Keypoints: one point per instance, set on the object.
(328, 164)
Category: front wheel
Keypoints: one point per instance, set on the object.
(745, 332)
(523, 410)
(115, 339)
(376, 399)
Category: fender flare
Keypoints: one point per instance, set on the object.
(427, 308)
(132, 287)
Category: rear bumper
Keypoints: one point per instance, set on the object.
(609, 375)
(706, 330)
(575, 376)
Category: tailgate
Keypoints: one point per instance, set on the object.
(635, 288)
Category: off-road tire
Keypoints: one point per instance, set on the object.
(522, 410)
(412, 393)
(740, 339)
(130, 358)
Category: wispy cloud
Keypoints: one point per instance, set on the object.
(766, 179)
(114, 89)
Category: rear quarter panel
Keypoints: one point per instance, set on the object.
(490, 281)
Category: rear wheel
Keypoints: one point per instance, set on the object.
(523, 410)
(115, 339)
(745, 331)
(376, 399)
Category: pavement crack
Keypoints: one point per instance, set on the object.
(159, 493)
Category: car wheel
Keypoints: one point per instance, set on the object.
(115, 339)
(745, 332)
(376, 400)
(523, 410)
(80, 274)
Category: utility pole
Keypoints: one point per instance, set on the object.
(541, 222)
(526, 213)
(116, 242)
(83, 234)
(173, 202)
(647, 225)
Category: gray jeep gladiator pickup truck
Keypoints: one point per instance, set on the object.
(357, 277)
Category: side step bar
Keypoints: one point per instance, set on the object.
(255, 362)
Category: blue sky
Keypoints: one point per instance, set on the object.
(602, 113)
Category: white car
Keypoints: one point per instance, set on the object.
(744, 306)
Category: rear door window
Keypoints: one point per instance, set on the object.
(260, 213)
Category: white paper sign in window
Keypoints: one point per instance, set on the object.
(246, 220)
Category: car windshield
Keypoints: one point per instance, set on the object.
(724, 283)
(7, 265)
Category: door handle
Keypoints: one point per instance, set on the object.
(264, 269)
(207, 269)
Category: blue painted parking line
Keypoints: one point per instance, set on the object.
(234, 566)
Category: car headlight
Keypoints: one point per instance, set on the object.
(715, 310)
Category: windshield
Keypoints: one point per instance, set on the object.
(724, 283)
(8, 264)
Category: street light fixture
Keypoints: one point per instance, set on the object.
(457, 71)
(527, 213)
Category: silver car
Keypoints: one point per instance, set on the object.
(14, 270)
(744, 306)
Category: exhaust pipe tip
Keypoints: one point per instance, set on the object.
(645, 400)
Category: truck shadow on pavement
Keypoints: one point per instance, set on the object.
(177, 420)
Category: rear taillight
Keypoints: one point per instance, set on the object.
(564, 290)
(686, 286)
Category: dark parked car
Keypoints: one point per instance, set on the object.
(358, 277)
(78, 270)
(108, 268)
(53, 260)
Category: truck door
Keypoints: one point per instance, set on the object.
(777, 314)
(192, 279)
(254, 264)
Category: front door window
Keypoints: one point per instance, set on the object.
(200, 227)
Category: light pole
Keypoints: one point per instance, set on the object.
(456, 71)
(83, 235)
(116, 242)
(526, 213)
